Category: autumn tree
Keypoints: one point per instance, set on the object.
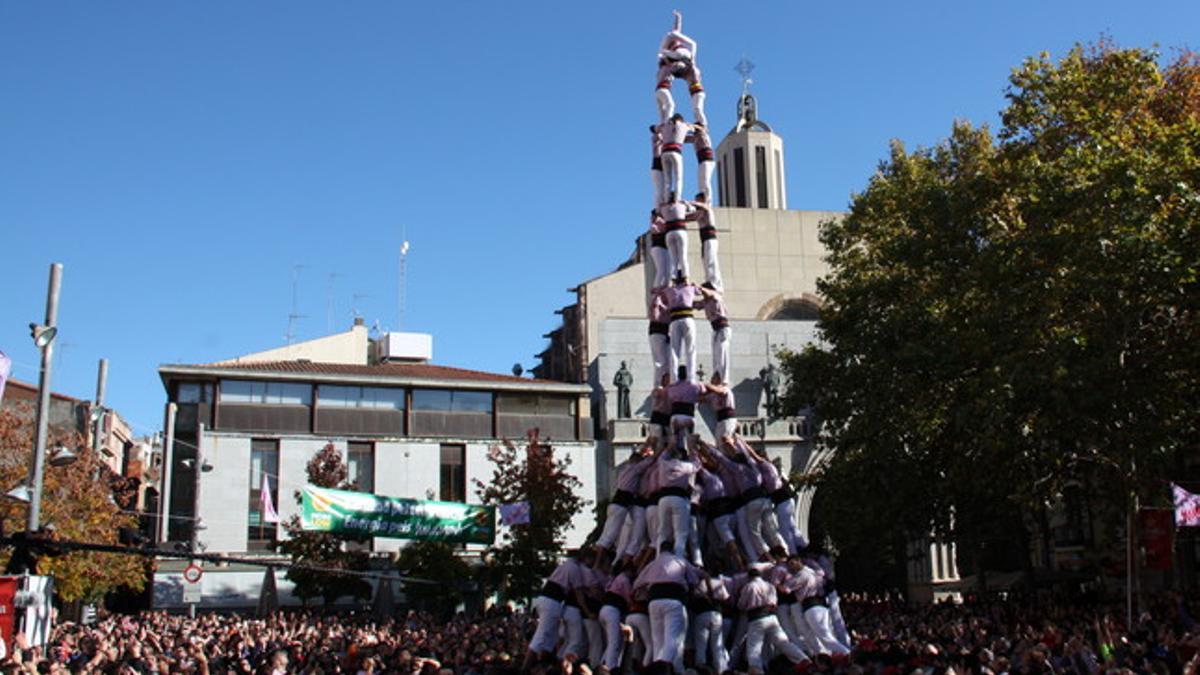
(325, 552)
(440, 572)
(529, 552)
(1006, 315)
(78, 500)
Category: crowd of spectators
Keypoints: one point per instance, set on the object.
(1000, 635)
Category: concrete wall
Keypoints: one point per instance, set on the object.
(351, 347)
(403, 468)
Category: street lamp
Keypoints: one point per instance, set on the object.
(43, 337)
(63, 456)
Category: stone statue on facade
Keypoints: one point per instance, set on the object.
(623, 381)
(770, 383)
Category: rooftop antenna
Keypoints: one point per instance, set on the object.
(354, 299)
(294, 315)
(403, 282)
(329, 302)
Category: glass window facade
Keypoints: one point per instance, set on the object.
(265, 393)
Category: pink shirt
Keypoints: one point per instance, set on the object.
(667, 568)
(714, 308)
(745, 476)
(674, 132)
(718, 400)
(676, 473)
(711, 486)
(681, 296)
(770, 476)
(631, 476)
(568, 575)
(757, 593)
(649, 478)
(673, 212)
(658, 311)
(806, 583)
(622, 586)
(685, 391)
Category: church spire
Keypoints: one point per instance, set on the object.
(750, 159)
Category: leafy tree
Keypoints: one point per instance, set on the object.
(78, 501)
(529, 553)
(1009, 314)
(438, 562)
(324, 550)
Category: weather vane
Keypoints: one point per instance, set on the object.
(744, 68)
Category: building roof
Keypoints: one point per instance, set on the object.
(383, 373)
(18, 390)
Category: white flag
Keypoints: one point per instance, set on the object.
(5, 369)
(516, 513)
(269, 515)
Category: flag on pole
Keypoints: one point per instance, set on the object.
(5, 369)
(269, 514)
(1187, 507)
(516, 513)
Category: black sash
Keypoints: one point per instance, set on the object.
(554, 591)
(813, 601)
(668, 591)
(623, 498)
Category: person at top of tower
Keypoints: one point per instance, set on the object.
(674, 133)
(677, 58)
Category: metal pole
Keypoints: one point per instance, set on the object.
(165, 493)
(101, 383)
(43, 408)
(199, 469)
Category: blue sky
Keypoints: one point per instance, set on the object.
(180, 157)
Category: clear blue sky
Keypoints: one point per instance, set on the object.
(180, 157)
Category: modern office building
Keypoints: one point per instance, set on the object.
(406, 428)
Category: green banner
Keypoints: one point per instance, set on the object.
(360, 513)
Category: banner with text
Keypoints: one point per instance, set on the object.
(360, 513)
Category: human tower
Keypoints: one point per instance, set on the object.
(699, 559)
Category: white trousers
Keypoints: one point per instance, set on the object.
(674, 519)
(661, 256)
(614, 520)
(549, 613)
(756, 526)
(785, 516)
(712, 267)
(656, 178)
(726, 427)
(640, 623)
(652, 524)
(668, 626)
(720, 352)
(706, 641)
(673, 174)
(697, 524)
(677, 248)
(575, 641)
(724, 526)
(839, 622)
(767, 630)
(595, 641)
(660, 353)
(803, 633)
(698, 108)
(683, 346)
(822, 630)
(633, 533)
(666, 104)
(705, 173)
(614, 643)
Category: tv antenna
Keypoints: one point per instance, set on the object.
(403, 282)
(329, 309)
(294, 315)
(354, 300)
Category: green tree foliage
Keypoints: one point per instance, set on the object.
(440, 563)
(324, 550)
(528, 553)
(1006, 314)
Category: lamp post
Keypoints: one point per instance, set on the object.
(43, 337)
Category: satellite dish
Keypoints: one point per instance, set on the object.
(517, 369)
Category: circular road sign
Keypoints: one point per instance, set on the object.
(192, 573)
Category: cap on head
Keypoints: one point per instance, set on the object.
(681, 373)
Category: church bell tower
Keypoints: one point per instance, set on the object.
(750, 158)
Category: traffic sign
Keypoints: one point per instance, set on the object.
(192, 573)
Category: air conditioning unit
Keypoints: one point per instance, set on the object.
(405, 347)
